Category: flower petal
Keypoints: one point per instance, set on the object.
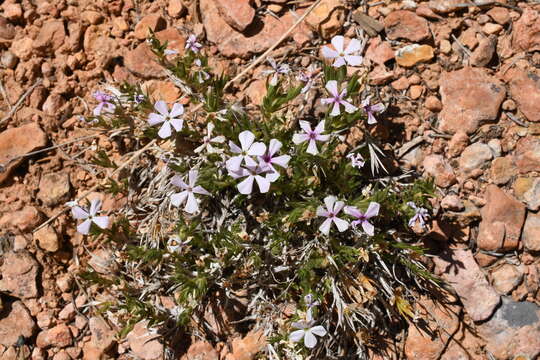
(154, 119)
(177, 110)
(192, 206)
(329, 53)
(321, 211)
(329, 201)
(322, 138)
(218, 139)
(101, 221)
(264, 183)
(246, 186)
(257, 149)
(161, 107)
(318, 330)
(335, 110)
(337, 41)
(340, 61)
(84, 227)
(300, 138)
(350, 108)
(338, 206)
(297, 335)
(325, 226)
(79, 213)
(352, 211)
(354, 60)
(250, 162)
(332, 88)
(193, 175)
(341, 224)
(305, 125)
(373, 209)
(368, 227)
(312, 148)
(95, 205)
(200, 190)
(178, 198)
(234, 148)
(319, 129)
(176, 180)
(234, 163)
(354, 46)
(379, 107)
(165, 130)
(282, 160)
(274, 146)
(309, 339)
(246, 139)
(177, 123)
(371, 118)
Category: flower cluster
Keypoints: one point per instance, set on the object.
(307, 328)
(333, 208)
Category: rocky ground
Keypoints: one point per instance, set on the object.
(462, 85)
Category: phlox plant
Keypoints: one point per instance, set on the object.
(259, 207)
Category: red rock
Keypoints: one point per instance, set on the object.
(102, 336)
(256, 91)
(452, 202)
(19, 275)
(161, 90)
(175, 40)
(141, 62)
(506, 278)
(458, 268)
(531, 232)
(145, 344)
(12, 11)
(513, 332)
(328, 18)
(526, 31)
(525, 90)
(7, 30)
(201, 350)
(502, 170)
(470, 97)
(22, 48)
(176, 8)
(54, 188)
(380, 75)
(98, 43)
(379, 51)
(502, 220)
(152, 22)
(440, 169)
(51, 36)
(53, 104)
(432, 103)
(492, 29)
(444, 6)
(474, 157)
(468, 38)
(58, 336)
(234, 44)
(500, 15)
(47, 239)
(24, 220)
(527, 154)
(403, 24)
(15, 321)
(411, 55)
(400, 84)
(248, 347)
(237, 13)
(483, 54)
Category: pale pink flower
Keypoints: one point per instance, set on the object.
(268, 160)
(251, 174)
(89, 217)
(307, 332)
(333, 207)
(308, 78)
(192, 44)
(362, 218)
(188, 193)
(275, 71)
(311, 135)
(337, 99)
(247, 149)
(357, 161)
(104, 105)
(208, 140)
(371, 109)
(341, 56)
(167, 118)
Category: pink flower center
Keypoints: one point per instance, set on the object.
(312, 135)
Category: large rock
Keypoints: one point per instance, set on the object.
(50, 37)
(459, 269)
(141, 62)
(59, 336)
(475, 156)
(19, 141)
(54, 188)
(201, 350)
(526, 31)
(144, 343)
(436, 166)
(262, 34)
(23, 220)
(470, 97)
(19, 275)
(403, 24)
(15, 321)
(237, 13)
(502, 220)
(525, 90)
(444, 6)
(531, 232)
(327, 18)
(514, 330)
(527, 154)
(152, 22)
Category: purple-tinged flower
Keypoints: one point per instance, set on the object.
(308, 77)
(139, 98)
(89, 217)
(251, 173)
(421, 215)
(170, 52)
(276, 70)
(307, 332)
(363, 218)
(337, 99)
(105, 104)
(208, 140)
(202, 75)
(357, 161)
(174, 244)
(167, 118)
(343, 57)
(247, 149)
(311, 135)
(371, 109)
(192, 44)
(310, 304)
(333, 208)
(268, 160)
(188, 195)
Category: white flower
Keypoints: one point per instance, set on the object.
(208, 140)
(333, 208)
(188, 195)
(251, 174)
(343, 57)
(311, 135)
(268, 160)
(357, 160)
(89, 217)
(248, 149)
(167, 118)
(337, 99)
(307, 332)
(174, 244)
(275, 71)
